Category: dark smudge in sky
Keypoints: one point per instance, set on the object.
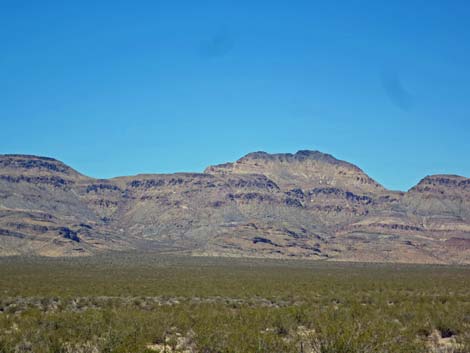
(219, 45)
(395, 90)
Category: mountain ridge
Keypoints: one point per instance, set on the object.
(303, 205)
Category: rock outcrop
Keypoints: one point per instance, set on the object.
(302, 205)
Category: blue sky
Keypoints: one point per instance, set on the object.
(123, 87)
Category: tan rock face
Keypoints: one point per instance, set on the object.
(304, 169)
(302, 205)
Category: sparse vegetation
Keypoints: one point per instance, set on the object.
(166, 303)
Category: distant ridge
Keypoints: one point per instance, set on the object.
(306, 205)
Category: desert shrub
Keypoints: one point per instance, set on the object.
(122, 305)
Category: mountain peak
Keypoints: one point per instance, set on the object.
(23, 163)
(440, 181)
(299, 156)
(305, 168)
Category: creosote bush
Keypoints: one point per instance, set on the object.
(123, 304)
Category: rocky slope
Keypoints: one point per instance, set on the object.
(302, 205)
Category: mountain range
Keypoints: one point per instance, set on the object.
(307, 205)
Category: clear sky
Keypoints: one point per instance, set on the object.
(122, 87)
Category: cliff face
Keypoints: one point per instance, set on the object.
(305, 205)
(42, 211)
(441, 196)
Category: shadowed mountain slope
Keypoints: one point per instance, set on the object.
(302, 205)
